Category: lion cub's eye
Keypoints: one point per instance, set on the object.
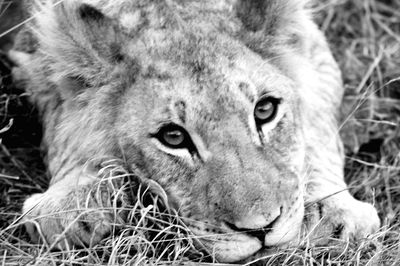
(174, 136)
(266, 110)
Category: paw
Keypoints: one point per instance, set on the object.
(339, 219)
(64, 219)
(29, 210)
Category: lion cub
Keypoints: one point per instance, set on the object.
(231, 106)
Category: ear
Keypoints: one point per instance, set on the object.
(272, 21)
(78, 42)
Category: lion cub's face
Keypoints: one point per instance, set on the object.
(218, 128)
(193, 108)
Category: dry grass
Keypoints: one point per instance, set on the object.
(365, 38)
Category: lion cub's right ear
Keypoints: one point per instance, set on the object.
(273, 23)
(78, 42)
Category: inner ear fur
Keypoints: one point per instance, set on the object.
(77, 40)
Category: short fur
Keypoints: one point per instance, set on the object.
(108, 74)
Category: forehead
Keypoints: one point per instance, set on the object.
(197, 41)
(208, 63)
(205, 70)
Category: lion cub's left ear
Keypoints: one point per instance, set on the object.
(79, 43)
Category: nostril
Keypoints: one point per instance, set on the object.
(258, 233)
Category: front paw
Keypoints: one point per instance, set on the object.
(339, 218)
(65, 218)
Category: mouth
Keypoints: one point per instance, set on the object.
(225, 244)
(261, 255)
(260, 234)
(230, 244)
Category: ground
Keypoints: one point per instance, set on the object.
(365, 38)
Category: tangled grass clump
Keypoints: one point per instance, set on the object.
(365, 38)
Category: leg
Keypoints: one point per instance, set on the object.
(330, 209)
(81, 209)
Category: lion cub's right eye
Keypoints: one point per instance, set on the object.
(175, 137)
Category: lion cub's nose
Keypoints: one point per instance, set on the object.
(257, 226)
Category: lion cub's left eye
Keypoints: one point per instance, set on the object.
(266, 109)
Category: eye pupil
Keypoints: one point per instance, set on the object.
(266, 109)
(174, 137)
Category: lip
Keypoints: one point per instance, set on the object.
(260, 234)
(228, 246)
(260, 255)
(242, 251)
